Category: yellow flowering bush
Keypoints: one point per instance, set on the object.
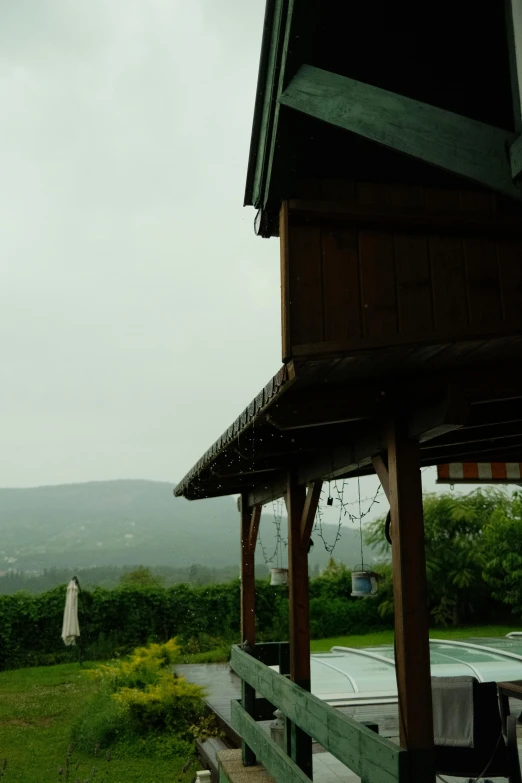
(142, 668)
(151, 695)
(171, 703)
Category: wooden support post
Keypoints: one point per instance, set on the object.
(301, 507)
(250, 519)
(412, 654)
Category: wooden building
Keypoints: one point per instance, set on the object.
(386, 156)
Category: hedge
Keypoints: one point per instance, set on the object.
(115, 621)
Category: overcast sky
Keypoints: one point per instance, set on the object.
(139, 312)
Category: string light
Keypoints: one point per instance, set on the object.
(344, 511)
(344, 507)
(277, 510)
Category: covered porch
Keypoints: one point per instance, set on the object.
(321, 420)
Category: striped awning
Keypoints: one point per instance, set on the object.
(480, 473)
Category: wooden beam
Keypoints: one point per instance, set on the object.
(300, 744)
(515, 158)
(324, 407)
(263, 493)
(254, 528)
(248, 619)
(473, 453)
(412, 654)
(495, 413)
(279, 148)
(486, 434)
(309, 511)
(244, 471)
(267, 110)
(513, 23)
(249, 526)
(345, 456)
(270, 453)
(319, 418)
(450, 141)
(389, 217)
(380, 465)
(449, 411)
(284, 249)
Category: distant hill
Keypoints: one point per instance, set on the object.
(132, 522)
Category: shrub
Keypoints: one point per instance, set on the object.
(145, 696)
(333, 617)
(170, 704)
(114, 622)
(142, 669)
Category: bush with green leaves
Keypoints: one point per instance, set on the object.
(140, 695)
(502, 567)
(457, 552)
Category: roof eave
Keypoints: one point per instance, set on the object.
(259, 104)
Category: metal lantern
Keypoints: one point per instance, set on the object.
(278, 577)
(364, 582)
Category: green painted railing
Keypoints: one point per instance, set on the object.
(372, 757)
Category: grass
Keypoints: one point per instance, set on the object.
(386, 637)
(222, 653)
(38, 707)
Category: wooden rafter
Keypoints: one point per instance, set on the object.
(450, 141)
(309, 511)
(255, 519)
(515, 157)
(380, 464)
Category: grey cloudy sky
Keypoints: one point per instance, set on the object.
(139, 312)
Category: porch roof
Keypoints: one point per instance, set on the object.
(325, 418)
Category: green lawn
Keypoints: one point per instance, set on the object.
(386, 637)
(37, 709)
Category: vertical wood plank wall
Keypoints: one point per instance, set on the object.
(348, 284)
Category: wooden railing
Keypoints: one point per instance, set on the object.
(372, 757)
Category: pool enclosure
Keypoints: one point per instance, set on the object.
(363, 676)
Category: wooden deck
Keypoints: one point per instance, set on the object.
(223, 686)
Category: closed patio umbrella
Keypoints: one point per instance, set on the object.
(71, 627)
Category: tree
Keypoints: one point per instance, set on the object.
(335, 569)
(456, 551)
(503, 544)
(141, 577)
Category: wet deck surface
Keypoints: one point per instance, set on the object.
(223, 685)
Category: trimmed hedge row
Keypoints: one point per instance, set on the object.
(115, 621)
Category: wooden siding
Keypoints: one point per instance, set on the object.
(388, 265)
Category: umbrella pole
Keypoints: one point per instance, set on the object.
(80, 638)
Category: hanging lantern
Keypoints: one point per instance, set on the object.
(364, 582)
(278, 577)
